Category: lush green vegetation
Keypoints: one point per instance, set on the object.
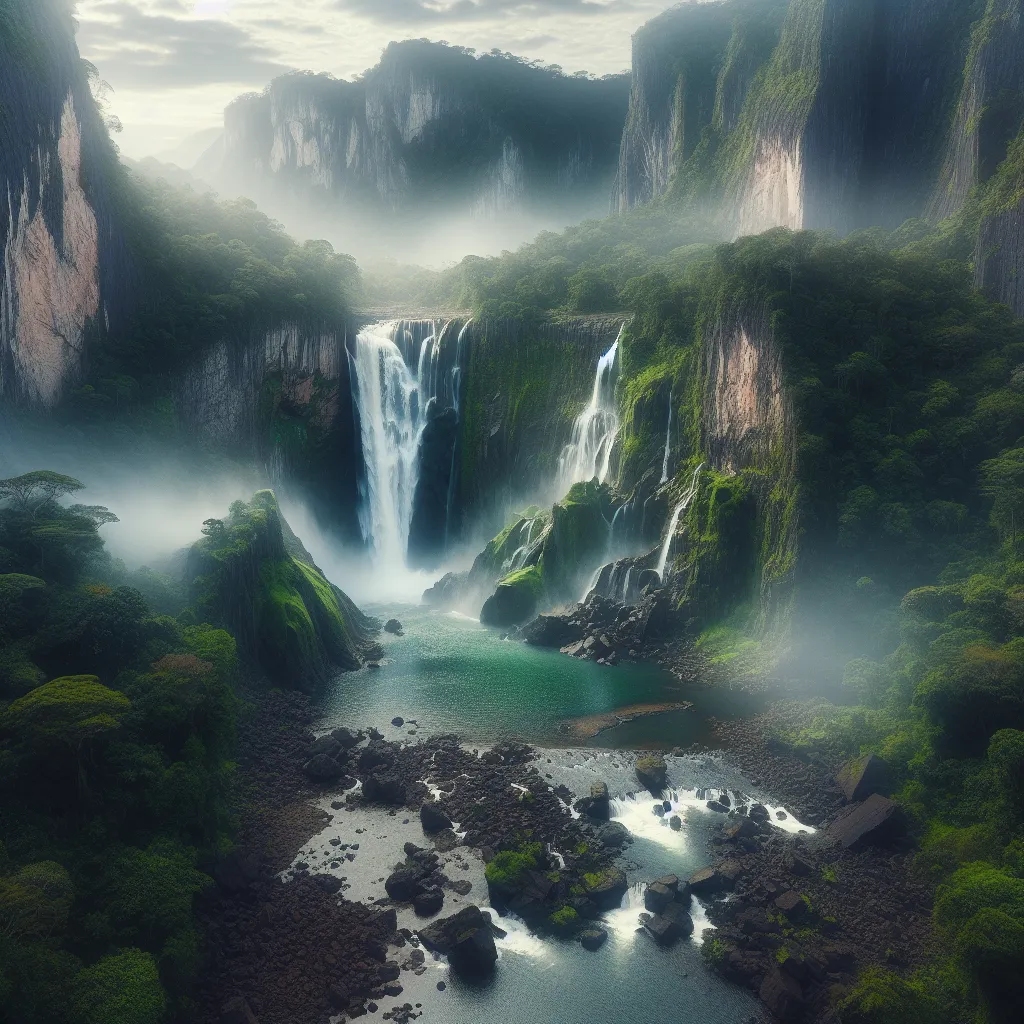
(116, 733)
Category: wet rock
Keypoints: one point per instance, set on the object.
(652, 772)
(745, 828)
(405, 883)
(714, 805)
(398, 721)
(384, 787)
(376, 753)
(877, 821)
(433, 817)
(329, 883)
(758, 813)
(237, 1011)
(462, 886)
(593, 938)
(447, 591)
(597, 805)
(708, 881)
(607, 889)
(549, 631)
(323, 768)
(673, 923)
(657, 897)
(466, 939)
(782, 994)
(429, 901)
(393, 626)
(675, 823)
(614, 835)
(860, 778)
(595, 647)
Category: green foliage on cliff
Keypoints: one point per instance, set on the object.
(290, 621)
(116, 734)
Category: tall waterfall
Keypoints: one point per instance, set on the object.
(674, 522)
(668, 440)
(394, 402)
(593, 434)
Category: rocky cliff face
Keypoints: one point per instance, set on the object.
(64, 266)
(430, 123)
(828, 114)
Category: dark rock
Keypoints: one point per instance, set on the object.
(745, 828)
(607, 891)
(329, 883)
(859, 778)
(759, 813)
(669, 881)
(877, 821)
(714, 805)
(596, 805)
(323, 768)
(657, 897)
(325, 745)
(405, 883)
(393, 989)
(673, 923)
(462, 886)
(549, 631)
(433, 817)
(447, 591)
(614, 835)
(510, 604)
(466, 939)
(393, 626)
(389, 971)
(384, 787)
(429, 901)
(707, 881)
(237, 1011)
(376, 753)
(792, 905)
(652, 771)
(797, 865)
(675, 823)
(593, 938)
(338, 996)
(782, 994)
(441, 986)
(345, 737)
(398, 721)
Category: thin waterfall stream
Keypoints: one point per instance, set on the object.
(674, 522)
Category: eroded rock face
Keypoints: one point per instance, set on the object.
(50, 289)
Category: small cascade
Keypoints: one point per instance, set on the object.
(589, 452)
(395, 403)
(679, 509)
(668, 441)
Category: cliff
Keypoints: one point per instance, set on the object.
(66, 274)
(251, 574)
(480, 136)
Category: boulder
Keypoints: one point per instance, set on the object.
(714, 805)
(338, 996)
(466, 939)
(675, 823)
(433, 817)
(593, 938)
(398, 721)
(759, 813)
(323, 768)
(673, 923)
(657, 897)
(325, 745)
(745, 828)
(393, 626)
(549, 631)
(859, 778)
(614, 835)
(607, 889)
(669, 881)
(595, 647)
(405, 883)
(711, 880)
(384, 787)
(574, 650)
(792, 904)
(447, 591)
(782, 994)
(428, 901)
(597, 804)
(346, 738)
(877, 821)
(652, 772)
(376, 753)
(237, 1011)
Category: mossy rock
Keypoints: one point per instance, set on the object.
(516, 598)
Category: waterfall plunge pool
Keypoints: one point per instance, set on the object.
(450, 674)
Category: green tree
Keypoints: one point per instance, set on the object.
(120, 989)
(32, 491)
(35, 901)
(1002, 480)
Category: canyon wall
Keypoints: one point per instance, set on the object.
(65, 269)
(430, 125)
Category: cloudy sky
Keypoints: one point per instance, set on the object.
(173, 65)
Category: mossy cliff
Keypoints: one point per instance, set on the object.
(251, 574)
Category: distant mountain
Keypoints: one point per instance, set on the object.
(430, 137)
(188, 150)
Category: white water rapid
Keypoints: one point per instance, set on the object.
(680, 508)
(593, 434)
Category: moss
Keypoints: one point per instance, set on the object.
(564, 919)
(508, 868)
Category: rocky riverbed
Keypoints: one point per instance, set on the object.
(395, 832)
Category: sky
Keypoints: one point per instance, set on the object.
(173, 65)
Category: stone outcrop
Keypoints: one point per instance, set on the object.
(877, 821)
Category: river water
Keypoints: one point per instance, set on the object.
(449, 674)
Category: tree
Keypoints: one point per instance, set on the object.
(31, 491)
(35, 901)
(1002, 480)
(120, 989)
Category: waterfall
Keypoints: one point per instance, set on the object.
(680, 508)
(394, 404)
(593, 434)
(668, 440)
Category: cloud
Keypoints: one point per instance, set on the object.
(420, 12)
(147, 51)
